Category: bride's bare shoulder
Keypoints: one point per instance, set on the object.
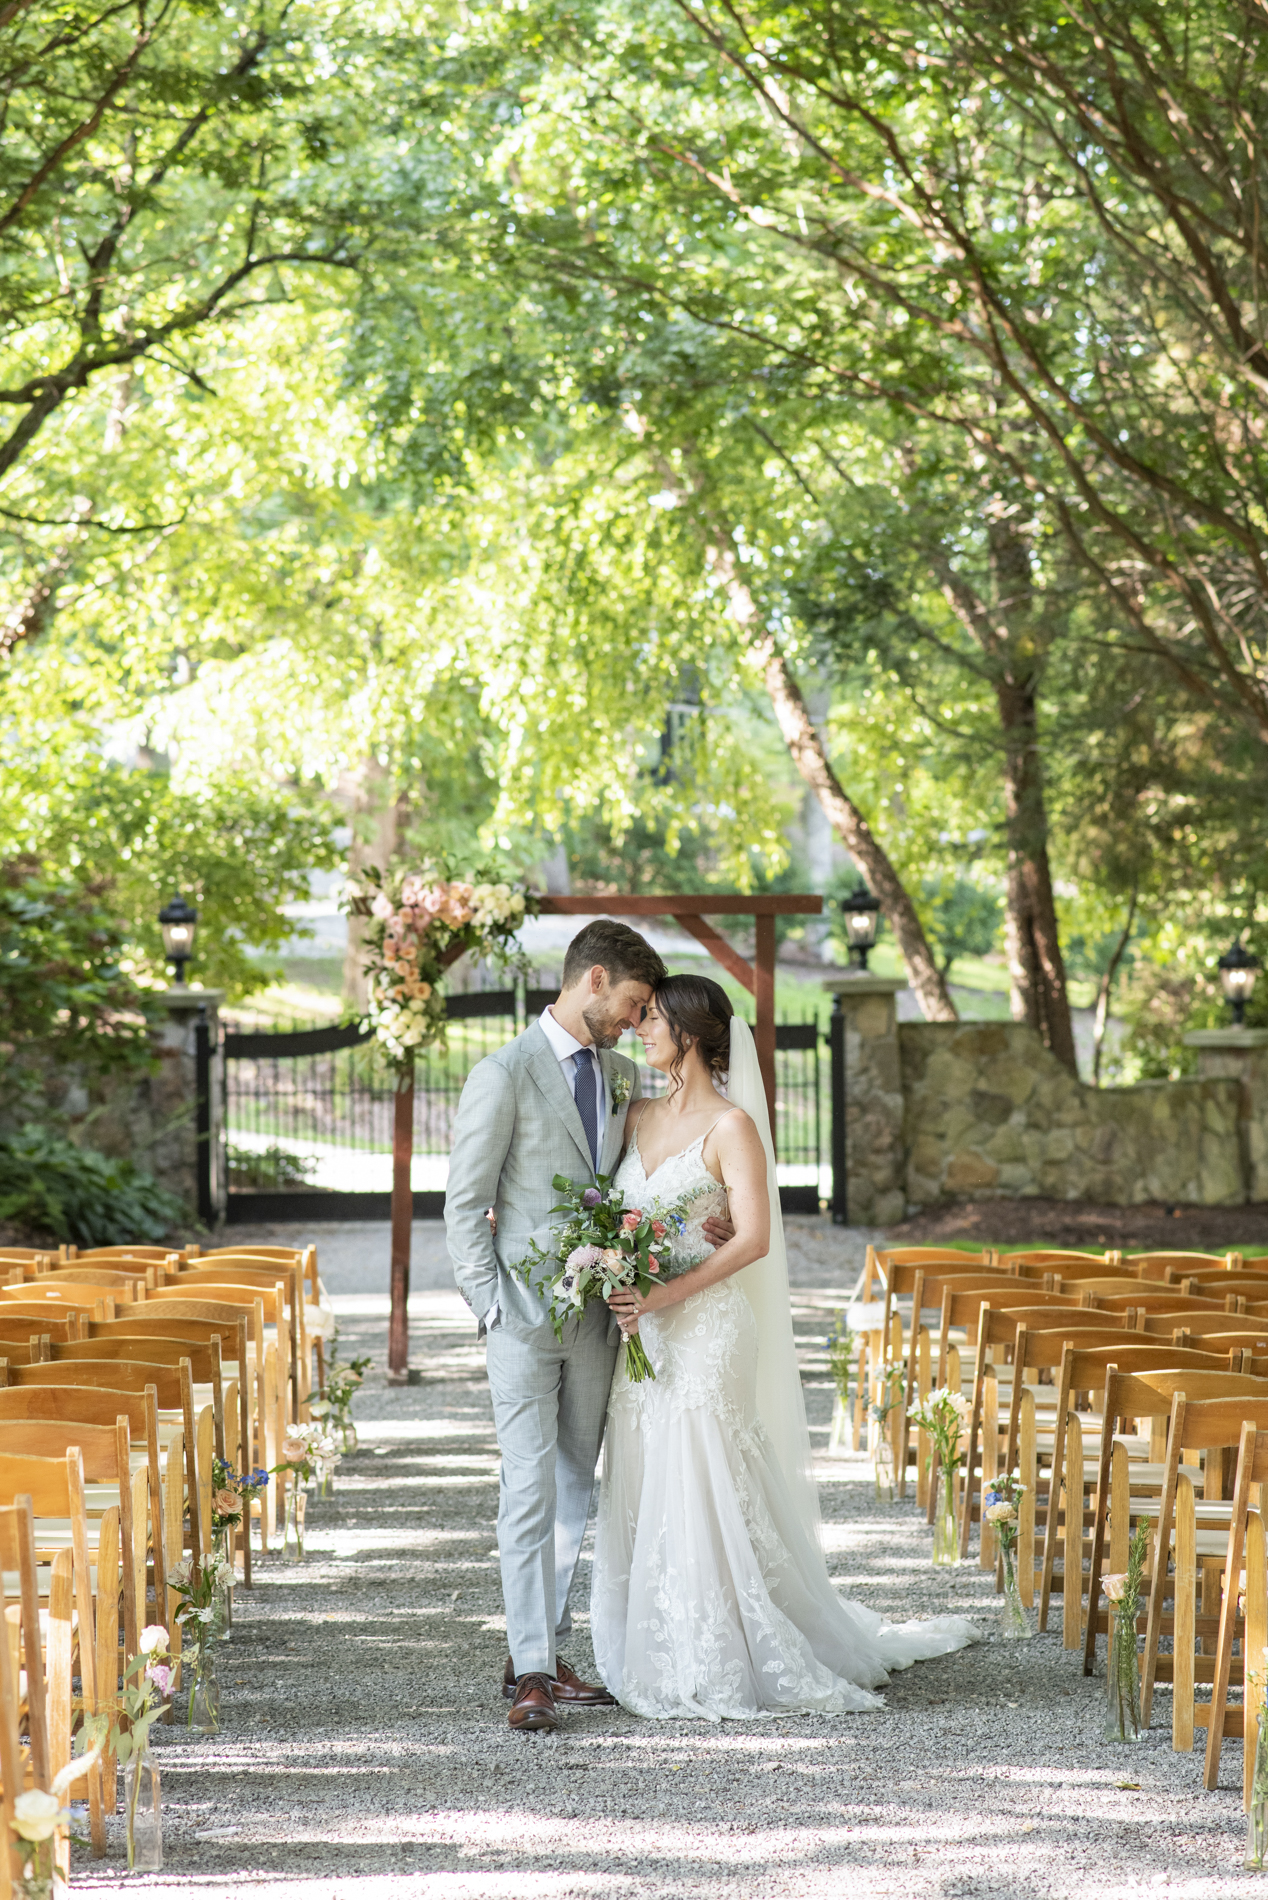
(734, 1136)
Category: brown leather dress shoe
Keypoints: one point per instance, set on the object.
(570, 1691)
(533, 1704)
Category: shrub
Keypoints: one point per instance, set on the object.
(50, 1185)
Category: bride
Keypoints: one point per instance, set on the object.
(710, 1594)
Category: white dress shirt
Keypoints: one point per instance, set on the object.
(564, 1045)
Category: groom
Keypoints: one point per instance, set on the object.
(545, 1105)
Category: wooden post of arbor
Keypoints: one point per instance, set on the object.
(402, 1225)
(403, 1213)
(690, 911)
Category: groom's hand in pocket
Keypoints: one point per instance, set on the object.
(717, 1231)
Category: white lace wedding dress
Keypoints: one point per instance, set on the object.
(709, 1597)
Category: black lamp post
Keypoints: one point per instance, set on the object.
(1238, 970)
(861, 912)
(179, 923)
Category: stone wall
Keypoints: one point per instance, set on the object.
(148, 1118)
(989, 1114)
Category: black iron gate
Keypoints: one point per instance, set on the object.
(308, 1112)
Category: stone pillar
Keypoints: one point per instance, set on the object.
(176, 1137)
(864, 1019)
(1242, 1055)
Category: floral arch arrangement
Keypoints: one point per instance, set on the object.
(420, 922)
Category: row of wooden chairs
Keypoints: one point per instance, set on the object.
(1126, 1389)
(124, 1374)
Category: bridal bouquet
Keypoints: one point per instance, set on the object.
(601, 1245)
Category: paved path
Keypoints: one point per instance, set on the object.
(365, 1750)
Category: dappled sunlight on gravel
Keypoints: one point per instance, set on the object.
(365, 1753)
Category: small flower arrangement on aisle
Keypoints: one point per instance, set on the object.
(1121, 1590)
(199, 1586)
(309, 1455)
(891, 1390)
(417, 919)
(1001, 1509)
(38, 1818)
(335, 1408)
(231, 1495)
(943, 1416)
(124, 1733)
(602, 1245)
(843, 1351)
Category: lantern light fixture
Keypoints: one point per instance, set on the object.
(861, 912)
(179, 923)
(1238, 970)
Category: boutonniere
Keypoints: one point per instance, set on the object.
(620, 1090)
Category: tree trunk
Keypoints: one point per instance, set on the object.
(808, 755)
(1035, 966)
(856, 834)
(1106, 989)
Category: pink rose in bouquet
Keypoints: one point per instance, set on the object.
(632, 1219)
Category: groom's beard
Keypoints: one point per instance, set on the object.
(605, 1025)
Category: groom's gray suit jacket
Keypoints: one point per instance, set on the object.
(517, 1127)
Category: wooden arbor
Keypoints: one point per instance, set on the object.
(688, 910)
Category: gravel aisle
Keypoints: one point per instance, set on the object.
(365, 1748)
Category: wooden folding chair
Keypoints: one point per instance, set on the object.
(1140, 1390)
(70, 1406)
(35, 1679)
(175, 1391)
(52, 1489)
(1206, 1427)
(1252, 1469)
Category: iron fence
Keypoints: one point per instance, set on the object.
(308, 1113)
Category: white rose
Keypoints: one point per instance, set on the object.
(37, 1816)
(152, 1637)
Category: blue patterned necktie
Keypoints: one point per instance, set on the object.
(583, 1091)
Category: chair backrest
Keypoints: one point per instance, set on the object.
(1089, 1368)
(1053, 1259)
(36, 1308)
(108, 1374)
(103, 1448)
(49, 1482)
(1055, 1310)
(90, 1404)
(20, 1328)
(150, 1255)
(1252, 1287)
(141, 1349)
(1175, 1319)
(112, 1275)
(917, 1257)
(183, 1326)
(1144, 1296)
(1161, 1262)
(306, 1256)
(216, 1294)
(47, 1290)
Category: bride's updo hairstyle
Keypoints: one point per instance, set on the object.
(696, 1011)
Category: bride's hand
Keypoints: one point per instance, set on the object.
(628, 1304)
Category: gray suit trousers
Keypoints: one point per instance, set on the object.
(549, 1404)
